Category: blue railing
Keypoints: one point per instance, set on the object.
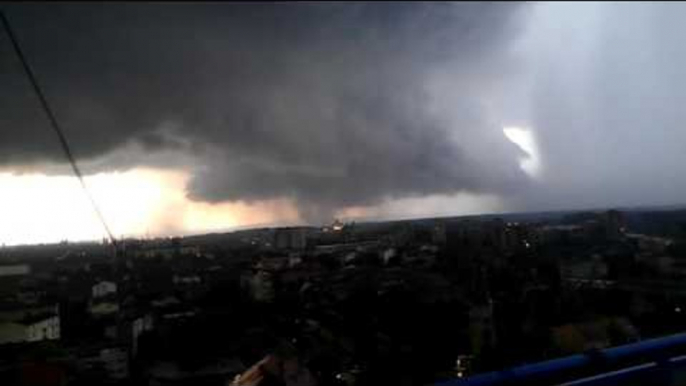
(660, 361)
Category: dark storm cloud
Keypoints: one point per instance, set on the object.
(330, 105)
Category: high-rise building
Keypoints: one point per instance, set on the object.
(290, 238)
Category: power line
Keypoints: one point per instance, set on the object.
(53, 122)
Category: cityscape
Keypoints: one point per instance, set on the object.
(405, 302)
(342, 194)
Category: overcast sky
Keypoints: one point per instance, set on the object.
(299, 113)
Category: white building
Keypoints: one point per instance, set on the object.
(34, 329)
(387, 255)
(47, 328)
(104, 288)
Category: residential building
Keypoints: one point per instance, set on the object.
(103, 289)
(34, 328)
(15, 270)
(290, 238)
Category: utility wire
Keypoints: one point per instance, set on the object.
(53, 122)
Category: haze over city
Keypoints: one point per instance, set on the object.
(198, 117)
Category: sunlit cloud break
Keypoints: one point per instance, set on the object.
(37, 207)
(525, 140)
